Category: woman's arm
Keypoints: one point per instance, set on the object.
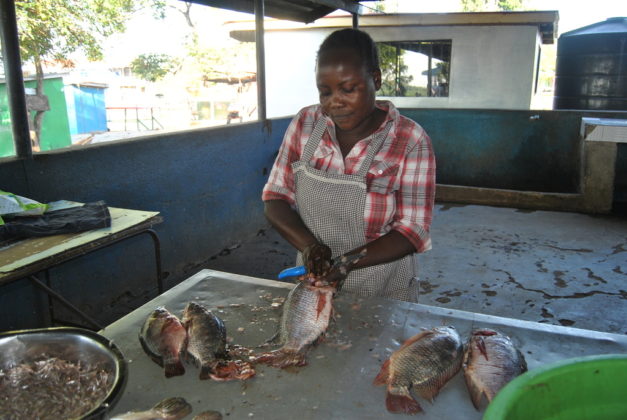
(288, 223)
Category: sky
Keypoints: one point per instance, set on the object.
(573, 14)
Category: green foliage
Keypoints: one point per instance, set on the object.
(153, 67)
(394, 80)
(53, 29)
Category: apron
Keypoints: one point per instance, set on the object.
(333, 205)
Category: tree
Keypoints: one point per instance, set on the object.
(51, 30)
(153, 67)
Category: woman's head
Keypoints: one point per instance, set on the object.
(355, 40)
(347, 77)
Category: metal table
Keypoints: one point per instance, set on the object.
(27, 257)
(337, 382)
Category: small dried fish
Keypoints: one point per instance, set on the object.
(169, 409)
(52, 388)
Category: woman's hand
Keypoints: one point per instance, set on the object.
(317, 258)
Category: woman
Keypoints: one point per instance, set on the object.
(353, 174)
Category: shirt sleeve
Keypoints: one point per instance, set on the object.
(416, 195)
(280, 185)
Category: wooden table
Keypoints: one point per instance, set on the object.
(28, 257)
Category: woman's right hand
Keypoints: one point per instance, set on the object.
(317, 258)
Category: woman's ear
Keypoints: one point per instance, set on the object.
(376, 77)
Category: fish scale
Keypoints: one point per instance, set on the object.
(425, 362)
(306, 316)
(490, 362)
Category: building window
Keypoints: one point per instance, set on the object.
(415, 68)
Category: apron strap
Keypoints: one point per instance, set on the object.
(374, 148)
(314, 139)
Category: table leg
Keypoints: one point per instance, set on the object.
(65, 302)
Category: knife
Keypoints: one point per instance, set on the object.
(300, 270)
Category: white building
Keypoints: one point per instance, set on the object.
(492, 58)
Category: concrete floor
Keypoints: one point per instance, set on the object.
(552, 267)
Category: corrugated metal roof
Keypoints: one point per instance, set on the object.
(297, 10)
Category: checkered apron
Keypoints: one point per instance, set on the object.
(333, 207)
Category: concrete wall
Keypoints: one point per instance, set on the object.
(492, 67)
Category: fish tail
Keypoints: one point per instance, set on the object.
(281, 358)
(402, 402)
(233, 369)
(174, 369)
(384, 373)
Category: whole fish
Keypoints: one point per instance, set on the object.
(305, 318)
(163, 338)
(206, 346)
(306, 314)
(425, 361)
(169, 409)
(491, 360)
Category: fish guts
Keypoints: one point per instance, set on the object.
(425, 362)
(306, 315)
(163, 338)
(491, 360)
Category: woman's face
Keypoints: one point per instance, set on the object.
(347, 89)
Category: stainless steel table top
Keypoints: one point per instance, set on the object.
(337, 382)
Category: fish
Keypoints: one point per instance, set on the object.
(169, 409)
(206, 346)
(208, 415)
(424, 362)
(490, 362)
(306, 315)
(164, 339)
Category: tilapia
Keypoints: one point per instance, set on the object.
(206, 346)
(491, 360)
(163, 338)
(169, 409)
(425, 362)
(306, 315)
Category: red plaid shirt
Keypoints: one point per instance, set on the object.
(400, 181)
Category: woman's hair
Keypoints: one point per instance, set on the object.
(356, 40)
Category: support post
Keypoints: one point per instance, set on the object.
(14, 79)
(261, 60)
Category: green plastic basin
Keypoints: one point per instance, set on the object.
(583, 388)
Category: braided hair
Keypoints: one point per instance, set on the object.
(355, 40)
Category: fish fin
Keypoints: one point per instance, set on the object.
(415, 338)
(281, 358)
(474, 391)
(383, 375)
(234, 369)
(402, 403)
(174, 369)
(428, 392)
